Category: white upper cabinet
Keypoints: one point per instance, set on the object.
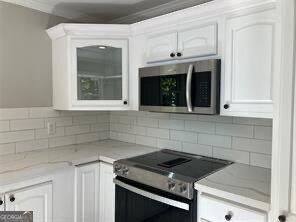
(2, 202)
(161, 47)
(36, 198)
(249, 64)
(198, 41)
(90, 67)
(191, 42)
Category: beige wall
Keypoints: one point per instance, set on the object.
(25, 57)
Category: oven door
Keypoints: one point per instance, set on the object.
(136, 202)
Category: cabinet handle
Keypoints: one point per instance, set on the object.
(179, 54)
(228, 217)
(1, 202)
(125, 102)
(11, 198)
(282, 218)
(172, 55)
(226, 106)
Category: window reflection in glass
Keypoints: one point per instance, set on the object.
(99, 70)
(168, 89)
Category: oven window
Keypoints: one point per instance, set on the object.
(133, 207)
(170, 90)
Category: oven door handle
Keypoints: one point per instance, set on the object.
(152, 196)
(188, 88)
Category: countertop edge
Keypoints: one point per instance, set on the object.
(260, 205)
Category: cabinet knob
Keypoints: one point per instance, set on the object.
(226, 106)
(125, 102)
(282, 218)
(172, 55)
(1, 202)
(11, 198)
(179, 54)
(228, 217)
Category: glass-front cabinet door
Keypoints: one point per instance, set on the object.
(100, 73)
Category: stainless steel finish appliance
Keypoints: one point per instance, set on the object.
(163, 180)
(182, 88)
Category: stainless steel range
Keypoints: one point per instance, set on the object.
(159, 186)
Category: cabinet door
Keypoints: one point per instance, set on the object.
(161, 47)
(37, 199)
(198, 41)
(99, 73)
(249, 65)
(87, 193)
(107, 193)
(2, 202)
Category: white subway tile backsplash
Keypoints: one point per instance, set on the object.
(198, 149)
(43, 133)
(172, 124)
(147, 141)
(31, 145)
(4, 126)
(159, 133)
(214, 140)
(235, 130)
(198, 126)
(260, 160)
(26, 124)
(169, 144)
(60, 121)
(8, 114)
(263, 132)
(74, 130)
(42, 112)
(10, 137)
(183, 136)
(252, 121)
(252, 145)
(61, 141)
(77, 120)
(149, 122)
(232, 155)
(99, 127)
(138, 130)
(217, 119)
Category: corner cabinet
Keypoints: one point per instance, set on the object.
(250, 63)
(90, 67)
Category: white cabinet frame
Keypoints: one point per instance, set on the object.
(78, 43)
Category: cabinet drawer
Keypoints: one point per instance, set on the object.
(215, 210)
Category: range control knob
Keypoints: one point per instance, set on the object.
(117, 168)
(182, 188)
(171, 185)
(125, 171)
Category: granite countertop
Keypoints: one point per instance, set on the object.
(28, 164)
(240, 183)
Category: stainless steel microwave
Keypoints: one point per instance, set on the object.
(181, 88)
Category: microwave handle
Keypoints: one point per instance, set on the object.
(188, 88)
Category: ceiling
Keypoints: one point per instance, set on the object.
(108, 11)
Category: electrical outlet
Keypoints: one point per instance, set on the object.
(51, 128)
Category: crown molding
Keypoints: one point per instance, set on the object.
(50, 9)
(158, 10)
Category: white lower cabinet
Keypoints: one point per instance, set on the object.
(211, 209)
(36, 198)
(87, 193)
(1, 202)
(95, 193)
(107, 193)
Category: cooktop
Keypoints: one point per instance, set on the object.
(171, 171)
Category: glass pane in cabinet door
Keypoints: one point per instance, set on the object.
(99, 70)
